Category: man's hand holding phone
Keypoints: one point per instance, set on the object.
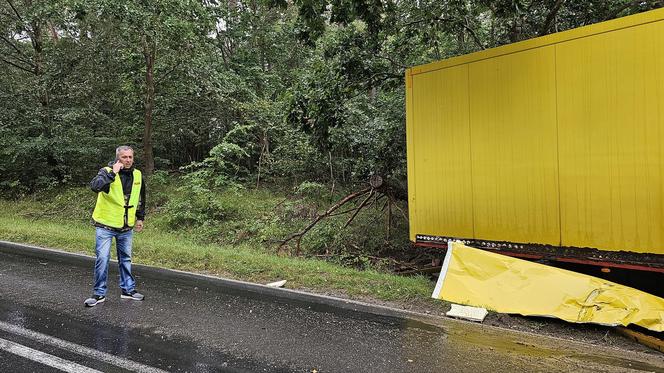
(138, 226)
(117, 167)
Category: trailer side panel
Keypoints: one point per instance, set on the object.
(553, 141)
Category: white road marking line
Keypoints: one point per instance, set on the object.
(44, 358)
(80, 350)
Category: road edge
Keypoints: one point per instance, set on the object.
(312, 300)
(302, 297)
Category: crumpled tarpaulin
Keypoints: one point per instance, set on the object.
(504, 284)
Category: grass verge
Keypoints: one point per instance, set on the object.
(243, 261)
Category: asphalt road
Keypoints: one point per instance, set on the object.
(198, 325)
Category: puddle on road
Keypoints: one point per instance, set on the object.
(523, 346)
(618, 362)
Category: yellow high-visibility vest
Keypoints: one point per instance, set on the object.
(110, 207)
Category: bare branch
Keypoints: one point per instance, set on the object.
(19, 59)
(359, 208)
(473, 35)
(401, 211)
(17, 66)
(550, 17)
(16, 11)
(12, 45)
(342, 212)
(378, 198)
(327, 213)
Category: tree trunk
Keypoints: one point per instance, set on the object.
(36, 39)
(551, 17)
(38, 46)
(149, 49)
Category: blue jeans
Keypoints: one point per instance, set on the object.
(103, 239)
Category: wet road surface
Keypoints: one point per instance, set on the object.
(197, 327)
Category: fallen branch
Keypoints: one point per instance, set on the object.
(375, 192)
(359, 208)
(342, 212)
(298, 236)
(401, 211)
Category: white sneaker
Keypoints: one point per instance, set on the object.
(91, 302)
(132, 295)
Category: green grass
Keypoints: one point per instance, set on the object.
(62, 221)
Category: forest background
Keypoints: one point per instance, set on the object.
(250, 118)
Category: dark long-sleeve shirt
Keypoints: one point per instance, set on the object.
(102, 183)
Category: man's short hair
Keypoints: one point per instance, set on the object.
(123, 148)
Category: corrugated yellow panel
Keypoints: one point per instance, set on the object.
(514, 147)
(439, 149)
(410, 156)
(611, 120)
(503, 284)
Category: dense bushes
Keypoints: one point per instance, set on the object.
(195, 209)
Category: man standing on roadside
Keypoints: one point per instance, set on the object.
(119, 210)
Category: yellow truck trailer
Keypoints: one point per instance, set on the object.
(552, 147)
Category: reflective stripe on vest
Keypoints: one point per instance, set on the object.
(110, 207)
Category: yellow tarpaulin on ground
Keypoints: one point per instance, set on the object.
(504, 284)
